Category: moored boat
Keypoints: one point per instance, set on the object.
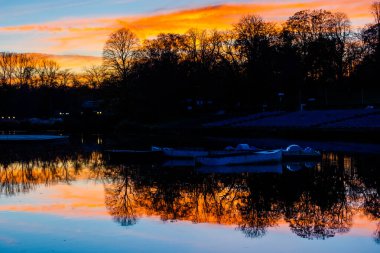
(238, 158)
(189, 153)
(297, 152)
(181, 153)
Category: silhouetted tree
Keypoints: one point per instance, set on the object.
(255, 65)
(65, 78)
(367, 71)
(254, 42)
(119, 52)
(376, 14)
(95, 76)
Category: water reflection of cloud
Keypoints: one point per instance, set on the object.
(7, 240)
(316, 203)
(78, 200)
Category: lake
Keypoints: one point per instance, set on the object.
(75, 199)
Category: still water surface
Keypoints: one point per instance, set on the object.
(79, 201)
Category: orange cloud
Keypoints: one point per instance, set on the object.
(218, 16)
(88, 35)
(75, 62)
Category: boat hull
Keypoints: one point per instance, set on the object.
(295, 152)
(181, 153)
(241, 158)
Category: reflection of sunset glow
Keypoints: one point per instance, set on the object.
(87, 200)
(22, 177)
(211, 208)
(86, 187)
(76, 200)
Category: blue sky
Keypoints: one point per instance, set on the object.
(82, 26)
(18, 12)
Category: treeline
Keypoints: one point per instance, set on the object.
(314, 57)
(257, 65)
(35, 70)
(33, 85)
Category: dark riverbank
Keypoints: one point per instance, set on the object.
(369, 135)
(359, 125)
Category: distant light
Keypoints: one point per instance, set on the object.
(2, 117)
(9, 117)
(60, 113)
(13, 117)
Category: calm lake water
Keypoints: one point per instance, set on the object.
(77, 200)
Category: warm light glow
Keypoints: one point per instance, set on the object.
(75, 63)
(86, 187)
(87, 35)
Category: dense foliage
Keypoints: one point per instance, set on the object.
(314, 57)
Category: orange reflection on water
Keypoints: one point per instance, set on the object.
(317, 203)
(75, 200)
(86, 199)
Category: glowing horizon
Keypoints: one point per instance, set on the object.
(83, 33)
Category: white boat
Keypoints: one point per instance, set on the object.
(192, 153)
(297, 152)
(238, 158)
(181, 153)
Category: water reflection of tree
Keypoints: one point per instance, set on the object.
(187, 195)
(194, 197)
(377, 234)
(316, 203)
(261, 207)
(20, 174)
(366, 187)
(322, 208)
(120, 196)
(309, 220)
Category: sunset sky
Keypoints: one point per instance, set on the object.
(80, 27)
